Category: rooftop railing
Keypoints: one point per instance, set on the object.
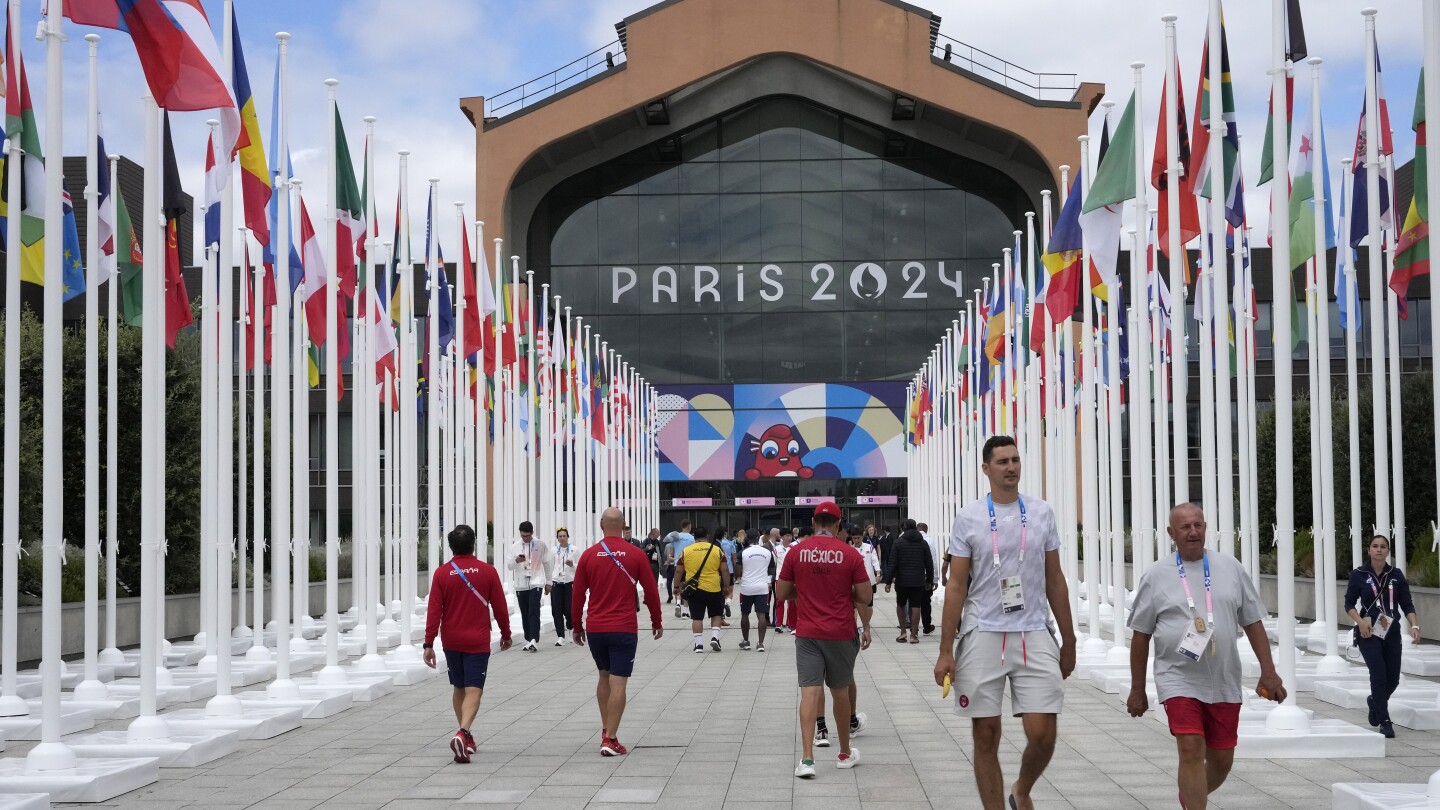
(596, 62)
(1043, 86)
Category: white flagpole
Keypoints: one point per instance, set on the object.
(300, 442)
(11, 704)
(209, 314)
(282, 688)
(409, 490)
(463, 413)
(434, 523)
(1431, 21)
(90, 688)
(258, 651)
(1178, 365)
(111, 654)
(242, 441)
(367, 507)
(1142, 471)
(148, 726)
(482, 428)
(331, 674)
(1225, 482)
(1089, 449)
(1287, 716)
(51, 754)
(1397, 466)
(1376, 262)
(531, 504)
(1332, 663)
(1205, 291)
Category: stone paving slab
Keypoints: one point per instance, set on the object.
(719, 730)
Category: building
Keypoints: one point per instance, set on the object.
(774, 223)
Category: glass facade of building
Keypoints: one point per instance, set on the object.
(779, 242)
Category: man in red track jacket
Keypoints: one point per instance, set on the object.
(464, 594)
(608, 572)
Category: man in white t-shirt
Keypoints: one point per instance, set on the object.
(1005, 582)
(933, 542)
(756, 569)
(783, 611)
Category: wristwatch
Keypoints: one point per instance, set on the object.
(427, 646)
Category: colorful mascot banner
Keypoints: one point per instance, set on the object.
(805, 430)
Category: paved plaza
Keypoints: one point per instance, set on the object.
(719, 730)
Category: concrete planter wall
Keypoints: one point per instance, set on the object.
(182, 618)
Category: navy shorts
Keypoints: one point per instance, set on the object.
(467, 668)
(613, 652)
(760, 603)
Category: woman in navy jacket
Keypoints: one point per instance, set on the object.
(1374, 599)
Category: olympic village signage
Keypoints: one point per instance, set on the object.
(822, 282)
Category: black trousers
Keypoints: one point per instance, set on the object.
(529, 601)
(1382, 658)
(560, 607)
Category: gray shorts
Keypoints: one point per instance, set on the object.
(1030, 662)
(826, 662)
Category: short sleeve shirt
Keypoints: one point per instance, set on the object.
(970, 538)
(1161, 611)
(824, 570)
(755, 570)
(709, 570)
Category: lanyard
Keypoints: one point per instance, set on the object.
(1389, 590)
(995, 529)
(621, 565)
(1190, 599)
(466, 580)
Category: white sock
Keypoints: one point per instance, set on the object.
(699, 638)
(715, 633)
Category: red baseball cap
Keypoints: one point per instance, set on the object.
(829, 509)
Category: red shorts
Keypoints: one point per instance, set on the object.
(1218, 723)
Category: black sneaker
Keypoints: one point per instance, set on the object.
(1374, 716)
(715, 644)
(1387, 729)
(744, 645)
(929, 629)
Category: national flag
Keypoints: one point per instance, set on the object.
(255, 176)
(393, 275)
(1347, 290)
(599, 390)
(1412, 249)
(105, 207)
(177, 52)
(297, 266)
(1062, 260)
(1359, 210)
(1302, 196)
(1100, 216)
(445, 318)
(312, 289)
(997, 323)
(72, 257)
(1038, 330)
(177, 299)
(1230, 149)
(213, 184)
(349, 212)
(129, 261)
(1160, 176)
(474, 336)
(21, 128)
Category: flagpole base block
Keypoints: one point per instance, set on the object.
(87, 780)
(178, 750)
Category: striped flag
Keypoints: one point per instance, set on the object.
(255, 182)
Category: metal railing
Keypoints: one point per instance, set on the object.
(596, 62)
(1043, 86)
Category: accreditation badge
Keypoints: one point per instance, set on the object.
(1381, 627)
(1197, 638)
(1012, 595)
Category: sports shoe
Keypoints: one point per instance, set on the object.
(744, 645)
(532, 647)
(677, 610)
(847, 761)
(805, 770)
(715, 644)
(469, 741)
(727, 611)
(822, 738)
(685, 615)
(559, 642)
(1387, 729)
(760, 648)
(611, 747)
(699, 649)
(459, 747)
(857, 724)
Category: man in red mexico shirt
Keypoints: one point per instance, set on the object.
(828, 581)
(464, 594)
(608, 572)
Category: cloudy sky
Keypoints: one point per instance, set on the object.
(408, 62)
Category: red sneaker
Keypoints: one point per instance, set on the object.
(460, 747)
(610, 747)
(469, 741)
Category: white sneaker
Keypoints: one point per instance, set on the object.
(559, 642)
(859, 724)
(805, 770)
(846, 762)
